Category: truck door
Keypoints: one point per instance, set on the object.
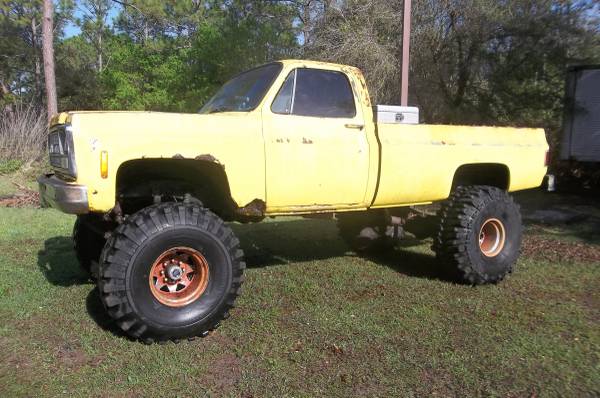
(317, 153)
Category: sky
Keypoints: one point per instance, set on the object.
(73, 30)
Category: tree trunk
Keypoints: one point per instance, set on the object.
(100, 63)
(38, 67)
(5, 93)
(48, 54)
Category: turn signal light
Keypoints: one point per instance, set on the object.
(104, 164)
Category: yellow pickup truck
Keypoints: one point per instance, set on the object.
(152, 190)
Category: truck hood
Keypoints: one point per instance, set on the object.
(142, 129)
(137, 135)
(122, 116)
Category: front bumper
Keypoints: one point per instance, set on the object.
(68, 198)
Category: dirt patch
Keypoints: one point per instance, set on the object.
(370, 293)
(25, 197)
(71, 355)
(559, 251)
(590, 300)
(14, 360)
(224, 374)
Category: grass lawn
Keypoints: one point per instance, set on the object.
(313, 320)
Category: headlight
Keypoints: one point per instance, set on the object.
(62, 151)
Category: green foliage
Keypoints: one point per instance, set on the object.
(153, 56)
(173, 58)
(8, 166)
(78, 82)
(142, 77)
(21, 69)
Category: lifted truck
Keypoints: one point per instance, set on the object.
(152, 190)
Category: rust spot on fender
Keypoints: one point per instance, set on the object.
(207, 157)
(306, 140)
(256, 208)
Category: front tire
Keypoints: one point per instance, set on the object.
(170, 271)
(479, 234)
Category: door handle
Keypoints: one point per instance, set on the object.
(354, 126)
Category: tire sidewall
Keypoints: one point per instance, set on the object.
(508, 214)
(183, 320)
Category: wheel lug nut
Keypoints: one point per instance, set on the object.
(162, 272)
(165, 280)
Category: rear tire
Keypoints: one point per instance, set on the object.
(172, 240)
(88, 243)
(479, 234)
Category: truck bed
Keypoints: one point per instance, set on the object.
(418, 162)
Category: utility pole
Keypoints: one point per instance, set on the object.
(405, 53)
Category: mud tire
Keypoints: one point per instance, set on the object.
(128, 257)
(462, 217)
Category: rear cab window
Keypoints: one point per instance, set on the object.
(317, 93)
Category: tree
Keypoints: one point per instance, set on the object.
(473, 61)
(93, 24)
(20, 56)
(48, 55)
(174, 56)
(366, 34)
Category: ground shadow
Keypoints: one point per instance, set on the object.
(286, 241)
(414, 264)
(282, 242)
(96, 311)
(264, 244)
(58, 263)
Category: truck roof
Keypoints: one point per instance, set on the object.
(314, 64)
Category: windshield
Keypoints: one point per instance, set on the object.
(244, 92)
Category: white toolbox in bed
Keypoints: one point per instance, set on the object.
(396, 114)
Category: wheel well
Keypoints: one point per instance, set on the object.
(142, 182)
(493, 174)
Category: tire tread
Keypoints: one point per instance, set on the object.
(456, 217)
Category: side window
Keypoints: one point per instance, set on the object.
(323, 93)
(283, 100)
(315, 92)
